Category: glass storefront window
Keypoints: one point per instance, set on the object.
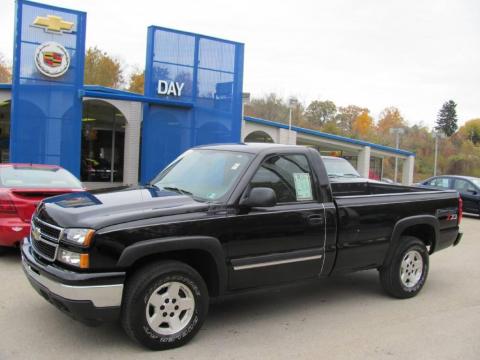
(5, 131)
(103, 136)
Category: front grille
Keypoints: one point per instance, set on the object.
(47, 229)
(45, 239)
(44, 249)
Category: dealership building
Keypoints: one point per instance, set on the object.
(192, 96)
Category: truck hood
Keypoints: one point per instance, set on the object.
(101, 209)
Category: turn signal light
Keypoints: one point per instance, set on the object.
(81, 261)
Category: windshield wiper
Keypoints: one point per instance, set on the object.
(176, 189)
(350, 175)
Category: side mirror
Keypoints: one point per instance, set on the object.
(260, 197)
(471, 191)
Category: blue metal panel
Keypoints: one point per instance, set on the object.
(211, 72)
(126, 96)
(46, 111)
(330, 136)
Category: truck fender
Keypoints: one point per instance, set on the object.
(404, 224)
(150, 247)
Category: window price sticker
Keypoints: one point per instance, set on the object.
(303, 186)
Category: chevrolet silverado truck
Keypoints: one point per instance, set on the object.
(223, 219)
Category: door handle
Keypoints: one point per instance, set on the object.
(315, 220)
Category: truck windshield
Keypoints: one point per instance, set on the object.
(204, 174)
(338, 167)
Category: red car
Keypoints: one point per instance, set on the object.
(22, 187)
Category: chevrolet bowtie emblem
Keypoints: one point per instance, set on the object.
(53, 24)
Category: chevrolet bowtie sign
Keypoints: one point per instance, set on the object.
(53, 24)
(170, 88)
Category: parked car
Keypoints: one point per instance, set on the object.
(339, 168)
(467, 186)
(223, 219)
(22, 187)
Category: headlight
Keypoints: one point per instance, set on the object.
(72, 258)
(82, 237)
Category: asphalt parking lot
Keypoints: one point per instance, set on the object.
(345, 317)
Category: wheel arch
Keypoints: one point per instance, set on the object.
(424, 227)
(205, 254)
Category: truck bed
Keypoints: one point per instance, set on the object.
(368, 211)
(356, 188)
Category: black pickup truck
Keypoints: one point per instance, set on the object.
(222, 219)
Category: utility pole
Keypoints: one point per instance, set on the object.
(292, 103)
(436, 135)
(245, 101)
(397, 132)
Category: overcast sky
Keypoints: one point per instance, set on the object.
(411, 54)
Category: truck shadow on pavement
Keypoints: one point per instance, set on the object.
(231, 314)
(289, 298)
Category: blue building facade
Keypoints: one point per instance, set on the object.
(205, 74)
(46, 110)
(193, 92)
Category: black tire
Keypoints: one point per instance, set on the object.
(3, 250)
(140, 287)
(390, 275)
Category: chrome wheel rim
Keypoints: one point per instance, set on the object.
(170, 308)
(411, 268)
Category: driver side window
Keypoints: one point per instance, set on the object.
(463, 186)
(288, 175)
(440, 183)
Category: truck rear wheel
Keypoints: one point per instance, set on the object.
(407, 271)
(164, 305)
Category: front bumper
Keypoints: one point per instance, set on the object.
(90, 298)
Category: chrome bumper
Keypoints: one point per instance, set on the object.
(99, 295)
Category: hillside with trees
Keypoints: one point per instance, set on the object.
(459, 150)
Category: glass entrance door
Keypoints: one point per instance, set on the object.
(103, 137)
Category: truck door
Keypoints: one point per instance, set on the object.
(284, 242)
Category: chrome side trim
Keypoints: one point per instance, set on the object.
(277, 262)
(100, 295)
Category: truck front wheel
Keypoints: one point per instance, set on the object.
(407, 271)
(164, 305)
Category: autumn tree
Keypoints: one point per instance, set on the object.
(390, 118)
(102, 69)
(347, 115)
(362, 125)
(447, 118)
(5, 73)
(270, 107)
(471, 131)
(137, 81)
(320, 112)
